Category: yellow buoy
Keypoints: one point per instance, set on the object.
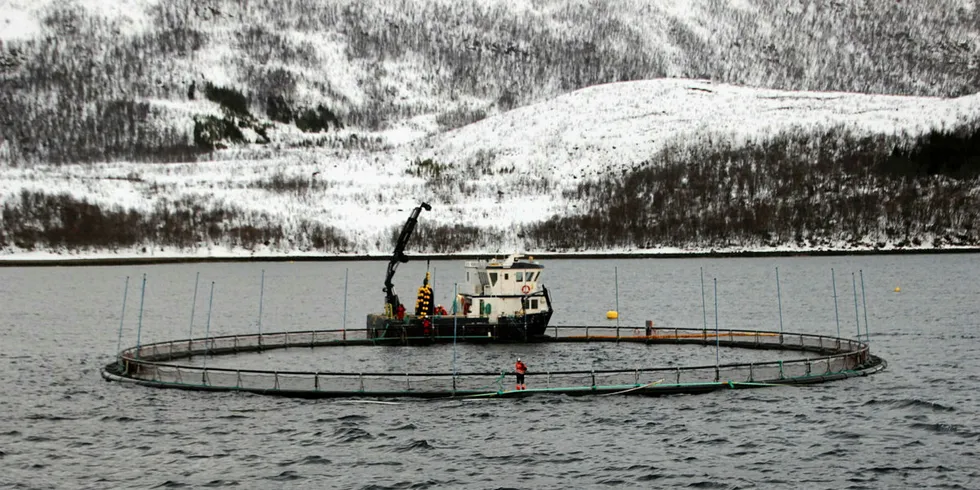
(898, 289)
(612, 314)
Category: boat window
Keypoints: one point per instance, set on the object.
(519, 276)
(506, 276)
(531, 276)
(483, 278)
(493, 278)
(534, 304)
(467, 277)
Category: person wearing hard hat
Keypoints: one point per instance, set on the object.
(520, 368)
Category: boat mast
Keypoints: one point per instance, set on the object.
(391, 299)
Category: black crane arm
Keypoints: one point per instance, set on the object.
(391, 299)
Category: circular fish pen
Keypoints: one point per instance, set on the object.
(168, 365)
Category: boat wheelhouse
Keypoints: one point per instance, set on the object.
(510, 286)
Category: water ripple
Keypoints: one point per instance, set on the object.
(418, 445)
(66, 427)
(910, 403)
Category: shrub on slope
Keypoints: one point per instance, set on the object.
(797, 189)
(62, 222)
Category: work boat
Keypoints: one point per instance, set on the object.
(500, 301)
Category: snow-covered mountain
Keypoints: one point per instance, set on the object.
(505, 170)
(474, 108)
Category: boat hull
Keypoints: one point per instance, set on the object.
(447, 328)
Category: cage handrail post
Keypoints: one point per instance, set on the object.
(261, 302)
(704, 309)
(779, 301)
(207, 331)
(616, 275)
(455, 324)
(122, 317)
(833, 281)
(344, 329)
(190, 329)
(857, 321)
(139, 326)
(864, 304)
(717, 335)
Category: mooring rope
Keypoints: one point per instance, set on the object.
(661, 380)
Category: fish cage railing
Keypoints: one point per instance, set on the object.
(153, 363)
(228, 344)
(420, 383)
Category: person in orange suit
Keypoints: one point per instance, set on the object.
(521, 369)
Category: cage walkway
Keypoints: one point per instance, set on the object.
(158, 365)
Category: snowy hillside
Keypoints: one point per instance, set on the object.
(615, 127)
(506, 170)
(302, 126)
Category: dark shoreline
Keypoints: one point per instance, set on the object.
(121, 261)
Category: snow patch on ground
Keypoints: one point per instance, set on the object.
(20, 19)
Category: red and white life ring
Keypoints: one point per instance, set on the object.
(525, 289)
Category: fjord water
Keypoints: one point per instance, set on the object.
(917, 424)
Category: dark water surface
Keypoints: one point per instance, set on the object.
(916, 425)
